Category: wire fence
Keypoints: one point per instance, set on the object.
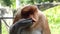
(6, 19)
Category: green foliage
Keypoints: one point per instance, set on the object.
(45, 0)
(51, 0)
(39, 1)
(53, 15)
(7, 2)
(13, 5)
(26, 2)
(4, 29)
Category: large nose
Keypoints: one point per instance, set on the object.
(34, 19)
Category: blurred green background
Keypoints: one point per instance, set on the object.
(52, 13)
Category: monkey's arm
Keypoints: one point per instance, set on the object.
(45, 26)
(22, 23)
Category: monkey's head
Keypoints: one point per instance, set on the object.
(29, 12)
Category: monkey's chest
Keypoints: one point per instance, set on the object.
(36, 32)
(31, 32)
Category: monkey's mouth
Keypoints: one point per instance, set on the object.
(31, 19)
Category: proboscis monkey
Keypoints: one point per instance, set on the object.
(40, 24)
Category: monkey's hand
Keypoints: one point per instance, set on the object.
(22, 23)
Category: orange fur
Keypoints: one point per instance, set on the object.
(40, 19)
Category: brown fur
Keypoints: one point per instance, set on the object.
(31, 11)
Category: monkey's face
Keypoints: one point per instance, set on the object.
(33, 17)
(29, 12)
